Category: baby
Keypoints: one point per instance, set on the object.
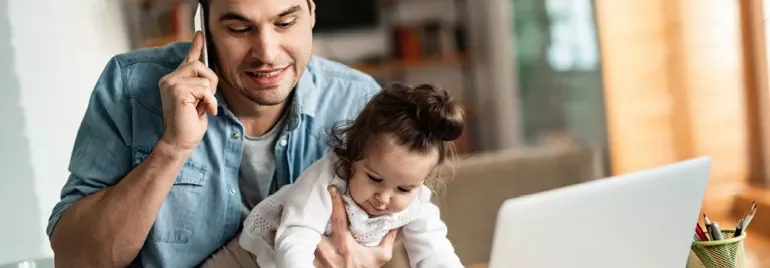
(385, 164)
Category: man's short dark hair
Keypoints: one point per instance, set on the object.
(205, 4)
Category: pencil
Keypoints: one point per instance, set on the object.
(708, 226)
(750, 215)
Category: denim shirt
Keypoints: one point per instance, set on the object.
(203, 209)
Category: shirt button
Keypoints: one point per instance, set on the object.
(236, 136)
(232, 191)
(282, 143)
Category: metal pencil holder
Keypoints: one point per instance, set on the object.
(726, 253)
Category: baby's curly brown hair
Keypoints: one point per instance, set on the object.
(422, 118)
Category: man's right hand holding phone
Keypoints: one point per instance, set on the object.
(186, 95)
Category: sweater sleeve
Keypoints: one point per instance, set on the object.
(307, 208)
(425, 238)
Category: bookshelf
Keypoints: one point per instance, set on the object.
(158, 22)
(403, 65)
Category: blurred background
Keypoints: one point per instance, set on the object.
(558, 92)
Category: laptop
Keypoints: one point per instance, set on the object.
(641, 219)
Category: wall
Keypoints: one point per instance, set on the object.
(675, 88)
(52, 51)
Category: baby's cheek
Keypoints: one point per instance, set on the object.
(402, 202)
(356, 190)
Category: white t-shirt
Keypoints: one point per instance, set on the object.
(300, 213)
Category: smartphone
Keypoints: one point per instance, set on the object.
(200, 25)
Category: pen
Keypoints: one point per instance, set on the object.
(699, 233)
(716, 233)
(748, 211)
(749, 215)
(738, 228)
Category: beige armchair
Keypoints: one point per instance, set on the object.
(470, 201)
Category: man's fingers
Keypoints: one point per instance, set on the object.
(193, 67)
(198, 69)
(195, 49)
(211, 102)
(389, 239)
(208, 103)
(200, 90)
(384, 251)
(318, 264)
(194, 81)
(196, 86)
(323, 253)
(339, 216)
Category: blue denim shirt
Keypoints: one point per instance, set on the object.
(203, 209)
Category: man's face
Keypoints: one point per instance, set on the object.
(262, 46)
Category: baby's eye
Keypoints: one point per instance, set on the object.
(405, 190)
(374, 178)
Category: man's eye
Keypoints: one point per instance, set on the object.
(240, 30)
(285, 24)
(374, 179)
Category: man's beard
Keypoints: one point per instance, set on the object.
(267, 102)
(259, 101)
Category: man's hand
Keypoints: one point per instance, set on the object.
(186, 94)
(342, 250)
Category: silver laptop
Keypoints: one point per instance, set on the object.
(642, 219)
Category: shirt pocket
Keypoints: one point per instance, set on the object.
(175, 220)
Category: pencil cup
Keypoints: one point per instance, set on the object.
(725, 253)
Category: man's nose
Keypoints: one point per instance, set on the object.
(265, 46)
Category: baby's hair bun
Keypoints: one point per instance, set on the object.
(438, 114)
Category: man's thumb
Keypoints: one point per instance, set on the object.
(389, 239)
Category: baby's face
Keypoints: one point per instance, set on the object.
(389, 178)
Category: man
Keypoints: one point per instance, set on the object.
(171, 155)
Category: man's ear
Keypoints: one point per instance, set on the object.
(311, 6)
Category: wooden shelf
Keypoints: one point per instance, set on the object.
(399, 65)
(145, 2)
(161, 41)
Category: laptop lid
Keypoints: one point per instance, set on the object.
(641, 219)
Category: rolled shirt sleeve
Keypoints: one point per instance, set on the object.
(101, 154)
